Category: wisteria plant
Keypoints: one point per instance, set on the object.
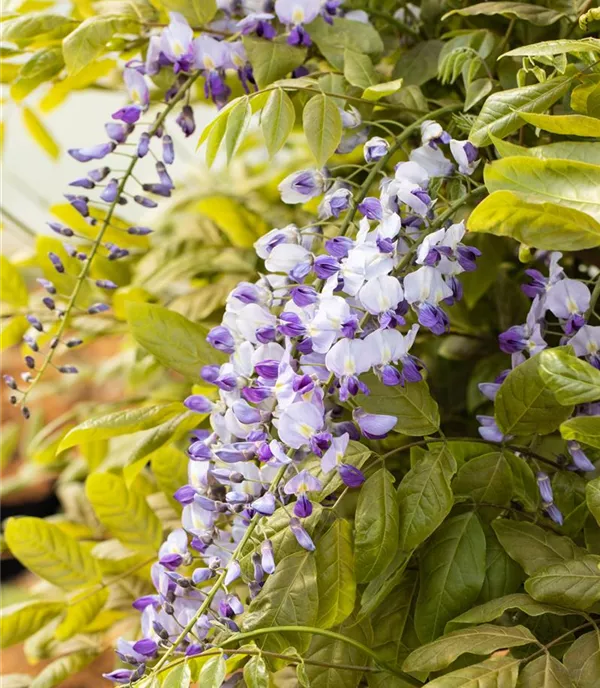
(359, 438)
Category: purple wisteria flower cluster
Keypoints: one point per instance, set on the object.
(556, 298)
(329, 309)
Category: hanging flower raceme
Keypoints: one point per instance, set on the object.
(328, 311)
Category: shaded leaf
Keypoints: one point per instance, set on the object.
(487, 478)
(452, 571)
(544, 672)
(498, 672)
(272, 60)
(582, 660)
(533, 547)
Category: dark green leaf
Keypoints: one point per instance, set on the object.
(358, 69)
(333, 40)
(497, 672)
(486, 479)
(452, 571)
(419, 64)
(502, 574)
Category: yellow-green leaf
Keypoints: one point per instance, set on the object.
(568, 125)
(89, 39)
(57, 672)
(12, 331)
(197, 12)
(19, 621)
(322, 124)
(379, 91)
(547, 226)
(277, 120)
(358, 69)
(237, 125)
(120, 423)
(534, 14)
(125, 513)
(39, 133)
(81, 611)
(51, 554)
(13, 289)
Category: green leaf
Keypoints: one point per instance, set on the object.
(333, 40)
(60, 669)
(503, 575)
(125, 513)
(544, 672)
(497, 672)
(39, 133)
(289, 597)
(213, 672)
(559, 47)
(524, 404)
(277, 120)
(256, 674)
(335, 575)
(31, 25)
(381, 586)
(582, 660)
(425, 497)
(169, 466)
(89, 39)
(521, 10)
(197, 12)
(13, 289)
(500, 112)
(185, 350)
(12, 331)
(376, 523)
(237, 126)
(384, 90)
(572, 380)
(19, 621)
(533, 547)
(542, 181)
(356, 455)
(119, 423)
(272, 60)
(592, 496)
(524, 483)
(81, 610)
(477, 90)
(335, 652)
(547, 226)
(584, 429)
(481, 640)
(574, 583)
(487, 478)
(180, 676)
(391, 619)
(568, 125)
(419, 64)
(48, 552)
(358, 69)
(322, 123)
(213, 134)
(416, 409)
(452, 571)
(494, 609)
